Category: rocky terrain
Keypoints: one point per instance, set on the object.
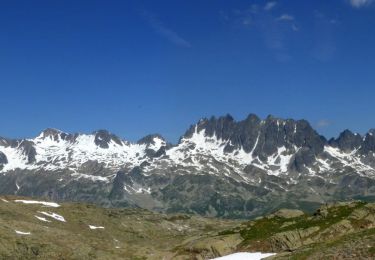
(334, 231)
(34, 229)
(220, 167)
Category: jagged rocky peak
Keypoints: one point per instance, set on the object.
(152, 139)
(290, 136)
(156, 145)
(347, 141)
(103, 138)
(371, 131)
(50, 132)
(55, 135)
(260, 137)
(221, 127)
(368, 144)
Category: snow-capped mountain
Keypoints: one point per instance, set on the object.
(219, 167)
(55, 150)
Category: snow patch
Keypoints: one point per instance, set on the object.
(350, 160)
(47, 204)
(90, 177)
(245, 256)
(42, 219)
(16, 159)
(132, 190)
(53, 215)
(157, 144)
(54, 153)
(22, 233)
(95, 227)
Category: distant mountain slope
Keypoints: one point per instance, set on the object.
(220, 167)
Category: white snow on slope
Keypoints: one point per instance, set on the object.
(58, 154)
(84, 149)
(199, 151)
(137, 189)
(204, 145)
(95, 227)
(191, 150)
(53, 215)
(22, 233)
(45, 203)
(281, 160)
(157, 144)
(42, 219)
(349, 159)
(16, 159)
(245, 256)
(93, 178)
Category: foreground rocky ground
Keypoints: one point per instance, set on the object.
(38, 230)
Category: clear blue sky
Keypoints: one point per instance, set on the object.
(139, 67)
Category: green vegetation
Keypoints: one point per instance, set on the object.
(263, 228)
(267, 227)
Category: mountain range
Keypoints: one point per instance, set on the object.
(220, 167)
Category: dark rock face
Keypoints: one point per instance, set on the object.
(117, 190)
(50, 132)
(368, 144)
(28, 149)
(347, 141)
(3, 158)
(103, 138)
(304, 157)
(57, 134)
(149, 139)
(263, 137)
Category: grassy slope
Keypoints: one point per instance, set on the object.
(338, 232)
(342, 230)
(128, 234)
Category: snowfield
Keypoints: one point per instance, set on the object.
(45, 203)
(22, 233)
(42, 219)
(53, 215)
(95, 227)
(245, 256)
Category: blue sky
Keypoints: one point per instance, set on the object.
(140, 67)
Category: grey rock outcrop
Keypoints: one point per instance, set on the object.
(3, 158)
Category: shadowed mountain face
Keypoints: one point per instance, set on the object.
(220, 167)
